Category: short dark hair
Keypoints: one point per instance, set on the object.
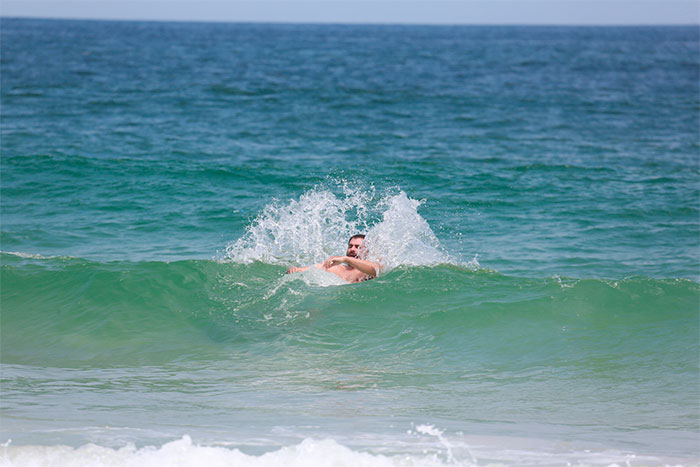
(362, 236)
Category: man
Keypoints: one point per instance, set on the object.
(350, 267)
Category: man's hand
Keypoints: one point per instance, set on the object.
(295, 269)
(334, 261)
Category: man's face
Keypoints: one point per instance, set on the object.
(354, 248)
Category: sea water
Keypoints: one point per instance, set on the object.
(532, 194)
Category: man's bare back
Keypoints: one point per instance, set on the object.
(349, 267)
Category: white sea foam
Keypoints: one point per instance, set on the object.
(329, 453)
(183, 453)
(318, 224)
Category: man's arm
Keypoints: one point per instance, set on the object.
(305, 268)
(366, 267)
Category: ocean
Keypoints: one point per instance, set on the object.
(532, 194)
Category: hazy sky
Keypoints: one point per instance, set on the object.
(377, 11)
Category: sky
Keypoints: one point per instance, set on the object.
(583, 12)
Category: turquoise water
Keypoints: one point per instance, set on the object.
(532, 192)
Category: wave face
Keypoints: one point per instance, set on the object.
(125, 312)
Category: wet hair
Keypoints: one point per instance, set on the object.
(362, 236)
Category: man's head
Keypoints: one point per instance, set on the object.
(354, 246)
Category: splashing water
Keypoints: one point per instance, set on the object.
(318, 224)
(403, 237)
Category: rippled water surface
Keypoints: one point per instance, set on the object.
(531, 192)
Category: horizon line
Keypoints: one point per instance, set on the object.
(345, 23)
